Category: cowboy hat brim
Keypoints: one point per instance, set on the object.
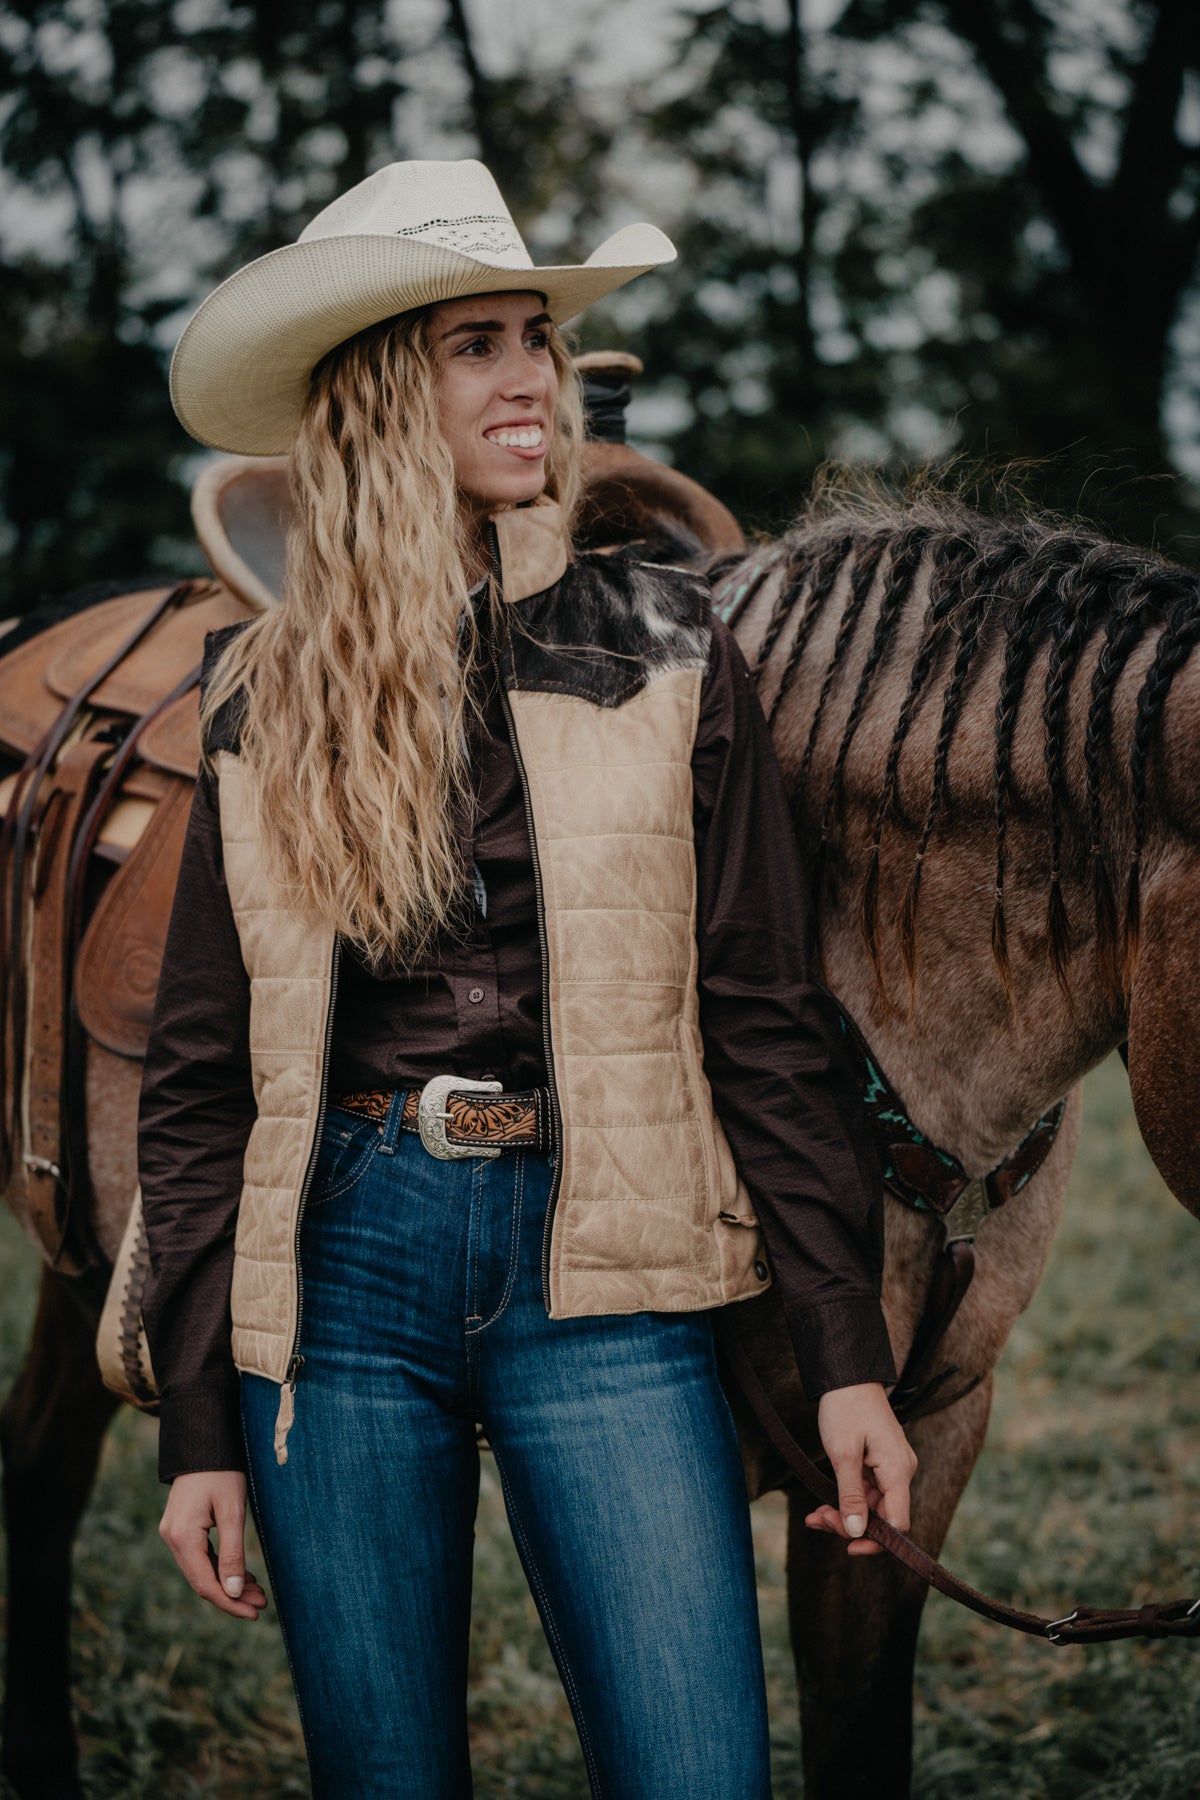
(240, 372)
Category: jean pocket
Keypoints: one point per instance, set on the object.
(345, 1152)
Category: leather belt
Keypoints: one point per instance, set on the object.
(455, 1117)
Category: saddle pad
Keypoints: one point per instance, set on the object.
(172, 741)
(28, 705)
(154, 666)
(122, 950)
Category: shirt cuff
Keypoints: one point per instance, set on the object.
(841, 1344)
(200, 1429)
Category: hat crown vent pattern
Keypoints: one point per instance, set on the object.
(409, 200)
(491, 235)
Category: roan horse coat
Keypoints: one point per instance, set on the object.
(985, 726)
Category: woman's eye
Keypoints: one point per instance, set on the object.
(538, 340)
(473, 344)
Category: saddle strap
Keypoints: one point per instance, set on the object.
(107, 793)
(47, 1184)
(1083, 1625)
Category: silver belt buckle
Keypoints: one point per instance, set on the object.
(432, 1116)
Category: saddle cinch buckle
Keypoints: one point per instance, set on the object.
(432, 1116)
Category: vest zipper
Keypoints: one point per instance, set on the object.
(555, 1123)
(287, 1392)
(555, 1115)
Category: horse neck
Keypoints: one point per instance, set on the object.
(974, 1072)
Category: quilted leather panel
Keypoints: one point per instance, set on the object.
(646, 1168)
(290, 964)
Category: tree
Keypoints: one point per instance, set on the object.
(905, 226)
(1103, 201)
(946, 224)
(148, 150)
(159, 147)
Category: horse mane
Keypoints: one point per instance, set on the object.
(1013, 575)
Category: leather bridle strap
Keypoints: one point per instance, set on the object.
(1084, 1625)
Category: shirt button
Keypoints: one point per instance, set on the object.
(761, 1270)
(475, 996)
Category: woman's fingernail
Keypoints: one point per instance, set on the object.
(855, 1524)
(233, 1586)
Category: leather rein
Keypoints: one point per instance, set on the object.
(928, 1179)
(1083, 1625)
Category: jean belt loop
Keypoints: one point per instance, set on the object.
(391, 1125)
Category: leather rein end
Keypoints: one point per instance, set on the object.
(1083, 1625)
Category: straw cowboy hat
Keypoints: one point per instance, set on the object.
(410, 234)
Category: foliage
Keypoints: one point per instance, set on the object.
(905, 226)
(932, 225)
(148, 150)
(167, 142)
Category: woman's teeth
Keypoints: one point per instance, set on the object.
(520, 440)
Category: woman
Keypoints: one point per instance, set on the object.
(485, 1027)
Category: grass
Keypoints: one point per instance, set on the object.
(1087, 1490)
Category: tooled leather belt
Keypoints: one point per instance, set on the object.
(462, 1117)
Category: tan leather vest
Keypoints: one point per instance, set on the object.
(649, 1211)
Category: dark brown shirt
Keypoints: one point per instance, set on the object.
(773, 1055)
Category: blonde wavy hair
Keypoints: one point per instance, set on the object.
(352, 692)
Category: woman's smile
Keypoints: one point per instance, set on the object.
(525, 438)
(497, 390)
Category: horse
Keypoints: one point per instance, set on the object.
(986, 727)
(990, 839)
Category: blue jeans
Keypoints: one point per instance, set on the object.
(423, 1314)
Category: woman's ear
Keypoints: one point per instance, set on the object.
(1164, 1029)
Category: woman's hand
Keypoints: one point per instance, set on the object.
(872, 1460)
(197, 1504)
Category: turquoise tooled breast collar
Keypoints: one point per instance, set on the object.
(919, 1174)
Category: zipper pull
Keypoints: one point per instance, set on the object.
(285, 1417)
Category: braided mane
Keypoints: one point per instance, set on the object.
(1014, 578)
